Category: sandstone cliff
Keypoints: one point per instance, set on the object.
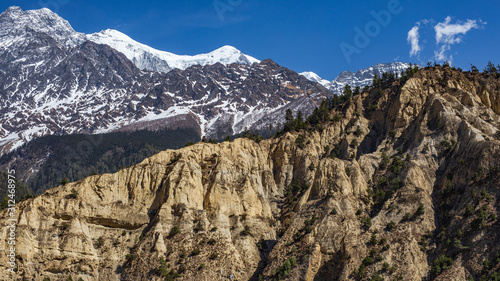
(402, 183)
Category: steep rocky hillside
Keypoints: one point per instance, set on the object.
(397, 183)
(42, 163)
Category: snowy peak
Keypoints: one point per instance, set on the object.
(315, 78)
(364, 77)
(16, 23)
(360, 78)
(147, 58)
(380, 68)
(13, 11)
(227, 55)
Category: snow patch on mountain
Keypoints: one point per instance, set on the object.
(315, 78)
(360, 78)
(147, 58)
(17, 23)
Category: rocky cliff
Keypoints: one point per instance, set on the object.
(400, 183)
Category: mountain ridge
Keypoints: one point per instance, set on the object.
(94, 88)
(148, 58)
(360, 78)
(397, 182)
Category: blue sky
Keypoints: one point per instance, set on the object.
(301, 35)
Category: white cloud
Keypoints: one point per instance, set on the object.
(448, 34)
(413, 40)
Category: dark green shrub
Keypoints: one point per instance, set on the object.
(354, 143)
(385, 160)
(458, 244)
(406, 217)
(446, 145)
(183, 254)
(397, 165)
(420, 210)
(390, 226)
(337, 118)
(371, 107)
(440, 264)
(198, 227)
(385, 267)
(348, 171)
(99, 243)
(376, 277)
(358, 131)
(382, 181)
(395, 183)
(300, 141)
(426, 148)
(74, 193)
(174, 231)
(175, 158)
(246, 231)
(368, 261)
(366, 222)
(311, 167)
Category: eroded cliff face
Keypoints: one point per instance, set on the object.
(399, 177)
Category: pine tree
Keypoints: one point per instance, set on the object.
(347, 91)
(490, 68)
(356, 91)
(299, 121)
(289, 124)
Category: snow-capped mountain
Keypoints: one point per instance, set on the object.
(16, 24)
(315, 78)
(54, 81)
(147, 58)
(360, 78)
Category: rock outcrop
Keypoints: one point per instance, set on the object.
(401, 183)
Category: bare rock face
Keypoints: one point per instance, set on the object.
(401, 183)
